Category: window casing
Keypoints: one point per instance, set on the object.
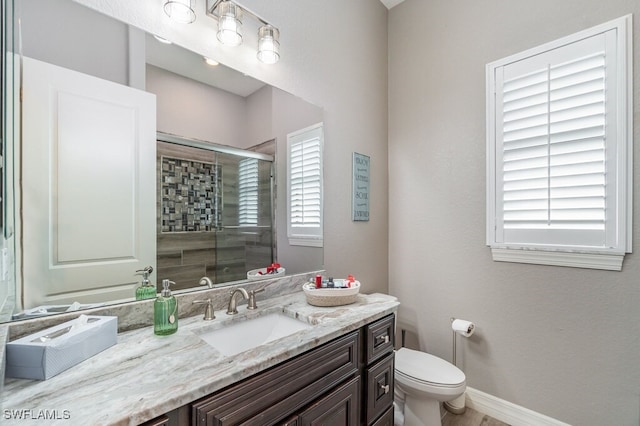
(304, 186)
(559, 151)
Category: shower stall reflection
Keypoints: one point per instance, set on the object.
(215, 213)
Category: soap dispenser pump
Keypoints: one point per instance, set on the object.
(146, 290)
(165, 311)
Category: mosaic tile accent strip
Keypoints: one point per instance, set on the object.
(191, 195)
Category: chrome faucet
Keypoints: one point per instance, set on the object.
(232, 308)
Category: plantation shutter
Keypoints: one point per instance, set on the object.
(555, 148)
(248, 192)
(305, 185)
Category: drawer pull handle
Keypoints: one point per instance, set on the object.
(384, 388)
(382, 339)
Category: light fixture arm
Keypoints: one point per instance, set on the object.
(212, 6)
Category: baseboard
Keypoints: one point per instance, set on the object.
(506, 411)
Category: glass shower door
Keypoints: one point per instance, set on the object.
(246, 240)
(215, 214)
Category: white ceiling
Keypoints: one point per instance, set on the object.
(391, 3)
(188, 64)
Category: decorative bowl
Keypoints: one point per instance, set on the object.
(331, 296)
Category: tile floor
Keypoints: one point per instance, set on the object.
(470, 418)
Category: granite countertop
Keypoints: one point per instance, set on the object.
(144, 376)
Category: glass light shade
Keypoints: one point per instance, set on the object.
(229, 24)
(268, 44)
(180, 10)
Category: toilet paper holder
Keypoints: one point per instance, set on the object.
(462, 327)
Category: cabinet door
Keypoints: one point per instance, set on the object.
(386, 419)
(339, 408)
(293, 421)
(379, 388)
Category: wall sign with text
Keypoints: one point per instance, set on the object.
(360, 202)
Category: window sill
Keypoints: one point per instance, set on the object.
(604, 261)
(308, 242)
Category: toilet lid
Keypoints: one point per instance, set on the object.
(427, 368)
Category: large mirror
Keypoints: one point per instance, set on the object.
(212, 123)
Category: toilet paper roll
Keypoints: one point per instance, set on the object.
(465, 328)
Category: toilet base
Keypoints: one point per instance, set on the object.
(421, 412)
(457, 405)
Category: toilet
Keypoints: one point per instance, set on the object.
(422, 382)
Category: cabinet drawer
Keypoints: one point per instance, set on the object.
(341, 407)
(269, 396)
(380, 338)
(379, 388)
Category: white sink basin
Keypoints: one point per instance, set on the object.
(244, 335)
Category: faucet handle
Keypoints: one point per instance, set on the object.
(252, 298)
(208, 312)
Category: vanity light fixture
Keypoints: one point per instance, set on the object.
(268, 44)
(229, 15)
(229, 24)
(181, 11)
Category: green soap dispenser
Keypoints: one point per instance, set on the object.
(165, 311)
(146, 290)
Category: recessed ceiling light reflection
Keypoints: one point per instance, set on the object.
(162, 40)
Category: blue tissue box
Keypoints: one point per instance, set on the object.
(46, 353)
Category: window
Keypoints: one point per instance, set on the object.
(559, 151)
(304, 177)
(248, 192)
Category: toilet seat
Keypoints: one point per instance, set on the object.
(427, 369)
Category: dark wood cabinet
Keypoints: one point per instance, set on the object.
(347, 381)
(378, 371)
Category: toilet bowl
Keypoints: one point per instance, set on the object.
(422, 382)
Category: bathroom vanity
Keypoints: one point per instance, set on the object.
(341, 382)
(338, 371)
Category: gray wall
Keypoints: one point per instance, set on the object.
(559, 341)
